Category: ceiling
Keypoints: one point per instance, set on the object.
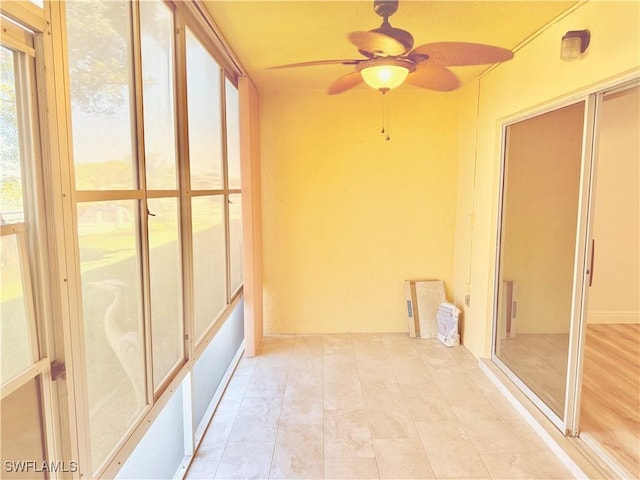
(265, 33)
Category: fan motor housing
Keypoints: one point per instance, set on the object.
(385, 8)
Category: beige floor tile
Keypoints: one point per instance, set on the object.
(425, 403)
(218, 431)
(257, 420)
(343, 395)
(501, 404)
(479, 409)
(340, 367)
(376, 371)
(347, 434)
(302, 367)
(275, 355)
(411, 372)
(459, 461)
(382, 394)
(337, 344)
(473, 399)
(278, 340)
(202, 469)
(298, 453)
(343, 401)
(463, 356)
(436, 356)
(206, 461)
(370, 352)
(369, 348)
(490, 436)
(513, 466)
(308, 345)
(245, 365)
(459, 391)
(391, 422)
(402, 458)
(551, 465)
(245, 460)
(267, 381)
(398, 340)
(305, 380)
(367, 406)
(350, 469)
(232, 398)
(528, 435)
(241, 378)
(479, 378)
(443, 435)
(303, 404)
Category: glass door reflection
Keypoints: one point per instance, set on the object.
(537, 247)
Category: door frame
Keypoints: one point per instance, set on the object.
(563, 424)
(569, 425)
(598, 98)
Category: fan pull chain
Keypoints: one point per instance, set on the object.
(383, 106)
(387, 138)
(385, 115)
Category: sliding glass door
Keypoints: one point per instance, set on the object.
(568, 181)
(539, 253)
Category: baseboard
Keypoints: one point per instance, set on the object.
(613, 317)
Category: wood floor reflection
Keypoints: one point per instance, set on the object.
(610, 411)
(610, 408)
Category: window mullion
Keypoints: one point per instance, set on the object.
(186, 236)
(138, 148)
(184, 179)
(225, 183)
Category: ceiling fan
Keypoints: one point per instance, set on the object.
(390, 58)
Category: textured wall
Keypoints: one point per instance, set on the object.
(348, 216)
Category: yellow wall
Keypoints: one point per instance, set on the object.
(614, 296)
(535, 77)
(348, 216)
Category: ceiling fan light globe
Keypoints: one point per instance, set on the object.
(384, 77)
(385, 73)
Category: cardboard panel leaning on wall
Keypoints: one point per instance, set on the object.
(348, 216)
(535, 77)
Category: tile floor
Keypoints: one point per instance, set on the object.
(367, 406)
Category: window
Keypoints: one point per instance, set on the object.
(209, 264)
(158, 219)
(109, 220)
(16, 308)
(161, 160)
(232, 117)
(205, 133)
(23, 346)
(207, 196)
